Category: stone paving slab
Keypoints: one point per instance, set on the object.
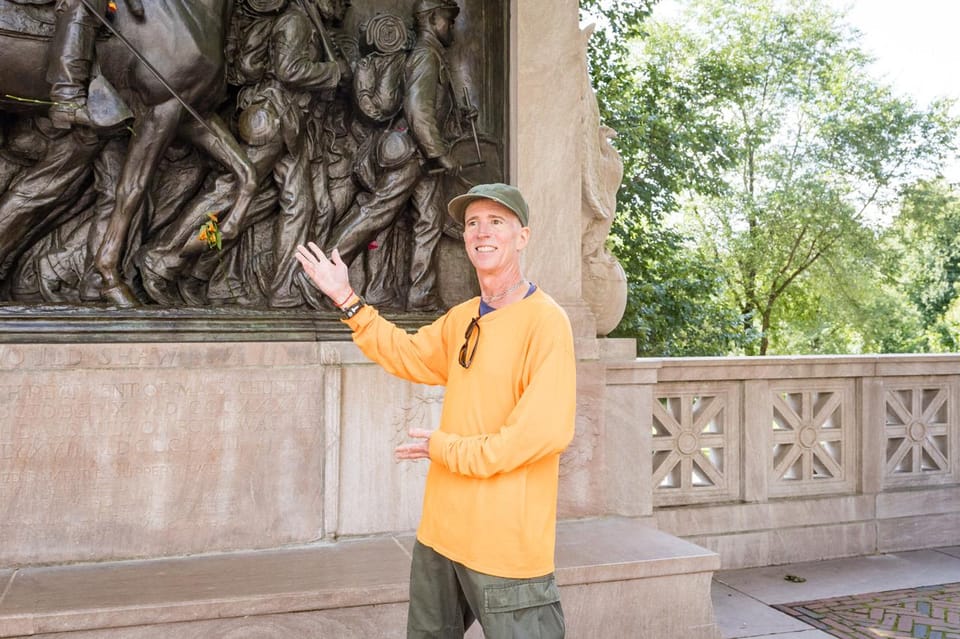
(927, 612)
(739, 615)
(838, 577)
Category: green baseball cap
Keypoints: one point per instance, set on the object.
(505, 194)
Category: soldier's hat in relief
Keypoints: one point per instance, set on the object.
(422, 6)
(265, 6)
(259, 123)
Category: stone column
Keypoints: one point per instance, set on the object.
(545, 144)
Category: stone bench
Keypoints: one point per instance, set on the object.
(619, 577)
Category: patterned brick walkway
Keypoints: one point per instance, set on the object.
(931, 612)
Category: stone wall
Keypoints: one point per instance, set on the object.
(783, 459)
(119, 451)
(143, 450)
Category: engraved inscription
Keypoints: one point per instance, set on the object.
(176, 455)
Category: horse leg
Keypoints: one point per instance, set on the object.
(224, 148)
(152, 135)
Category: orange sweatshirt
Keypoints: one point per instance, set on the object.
(491, 494)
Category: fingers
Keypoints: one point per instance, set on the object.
(411, 451)
(317, 252)
(415, 450)
(304, 256)
(313, 255)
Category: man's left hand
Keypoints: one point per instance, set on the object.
(415, 450)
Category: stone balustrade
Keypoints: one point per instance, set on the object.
(781, 459)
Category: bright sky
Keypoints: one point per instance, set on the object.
(916, 43)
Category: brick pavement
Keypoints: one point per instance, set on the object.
(930, 612)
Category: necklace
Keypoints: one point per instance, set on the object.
(502, 294)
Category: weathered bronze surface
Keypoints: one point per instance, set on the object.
(348, 125)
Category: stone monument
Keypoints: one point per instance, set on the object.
(167, 389)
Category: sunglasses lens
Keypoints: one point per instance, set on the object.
(466, 353)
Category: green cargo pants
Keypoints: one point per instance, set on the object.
(447, 597)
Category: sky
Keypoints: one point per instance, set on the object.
(916, 46)
(916, 43)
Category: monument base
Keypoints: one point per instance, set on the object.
(237, 490)
(617, 574)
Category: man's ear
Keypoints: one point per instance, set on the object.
(524, 238)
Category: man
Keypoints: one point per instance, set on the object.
(432, 119)
(71, 59)
(485, 543)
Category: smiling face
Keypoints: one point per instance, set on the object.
(493, 237)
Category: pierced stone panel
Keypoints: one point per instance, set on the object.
(918, 433)
(695, 444)
(813, 438)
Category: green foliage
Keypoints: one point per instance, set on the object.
(846, 303)
(922, 244)
(759, 153)
(813, 143)
(945, 335)
(675, 304)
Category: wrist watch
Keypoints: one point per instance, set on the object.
(350, 311)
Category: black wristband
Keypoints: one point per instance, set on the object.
(350, 311)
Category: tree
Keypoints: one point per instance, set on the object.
(812, 141)
(675, 304)
(922, 241)
(848, 302)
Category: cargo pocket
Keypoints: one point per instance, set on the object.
(527, 608)
(516, 596)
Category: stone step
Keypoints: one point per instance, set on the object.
(617, 574)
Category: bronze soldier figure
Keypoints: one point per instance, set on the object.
(284, 66)
(431, 120)
(71, 59)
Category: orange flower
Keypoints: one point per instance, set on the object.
(210, 232)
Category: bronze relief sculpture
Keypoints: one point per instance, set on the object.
(264, 122)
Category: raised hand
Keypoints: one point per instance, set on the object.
(329, 275)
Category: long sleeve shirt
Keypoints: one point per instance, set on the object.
(491, 493)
